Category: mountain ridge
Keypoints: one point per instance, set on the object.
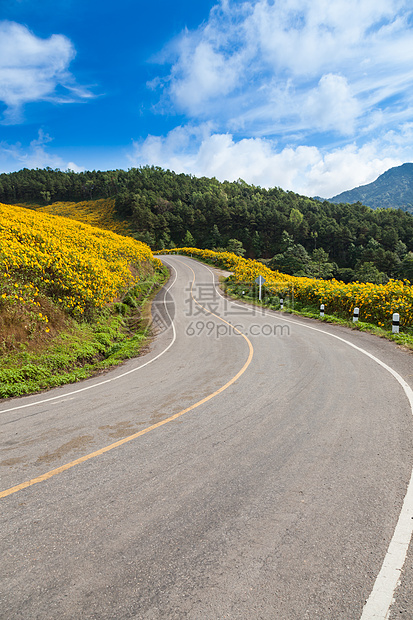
(392, 189)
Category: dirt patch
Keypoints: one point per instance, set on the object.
(21, 324)
(66, 448)
(121, 429)
(9, 462)
(224, 274)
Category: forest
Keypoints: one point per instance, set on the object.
(289, 232)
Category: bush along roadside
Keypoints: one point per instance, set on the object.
(377, 304)
(76, 349)
(285, 301)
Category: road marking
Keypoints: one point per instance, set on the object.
(377, 606)
(117, 444)
(95, 385)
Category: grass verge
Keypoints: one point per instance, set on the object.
(82, 349)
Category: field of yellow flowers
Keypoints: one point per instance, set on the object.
(55, 273)
(100, 213)
(80, 267)
(376, 303)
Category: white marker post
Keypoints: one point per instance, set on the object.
(281, 303)
(396, 323)
(322, 310)
(356, 315)
(260, 280)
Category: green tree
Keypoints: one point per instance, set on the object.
(257, 244)
(345, 274)
(368, 272)
(401, 249)
(406, 268)
(235, 247)
(46, 196)
(188, 241)
(145, 237)
(287, 241)
(124, 203)
(320, 265)
(296, 217)
(215, 239)
(294, 261)
(314, 235)
(165, 241)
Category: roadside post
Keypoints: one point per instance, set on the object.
(356, 315)
(396, 323)
(322, 310)
(260, 280)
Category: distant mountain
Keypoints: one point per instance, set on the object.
(393, 188)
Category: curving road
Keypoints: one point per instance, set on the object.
(249, 466)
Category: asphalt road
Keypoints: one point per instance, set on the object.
(255, 472)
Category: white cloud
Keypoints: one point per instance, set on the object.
(301, 94)
(32, 69)
(206, 74)
(35, 155)
(331, 106)
(303, 169)
(275, 68)
(346, 168)
(308, 37)
(74, 167)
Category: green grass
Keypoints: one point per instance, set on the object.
(83, 349)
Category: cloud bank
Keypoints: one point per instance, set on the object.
(304, 94)
(34, 69)
(307, 170)
(295, 65)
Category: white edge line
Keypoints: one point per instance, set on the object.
(95, 385)
(377, 606)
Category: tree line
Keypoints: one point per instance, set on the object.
(290, 232)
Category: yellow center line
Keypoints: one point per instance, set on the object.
(87, 457)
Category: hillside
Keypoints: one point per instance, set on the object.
(71, 299)
(392, 189)
(295, 234)
(99, 213)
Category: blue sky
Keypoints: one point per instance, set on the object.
(313, 96)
